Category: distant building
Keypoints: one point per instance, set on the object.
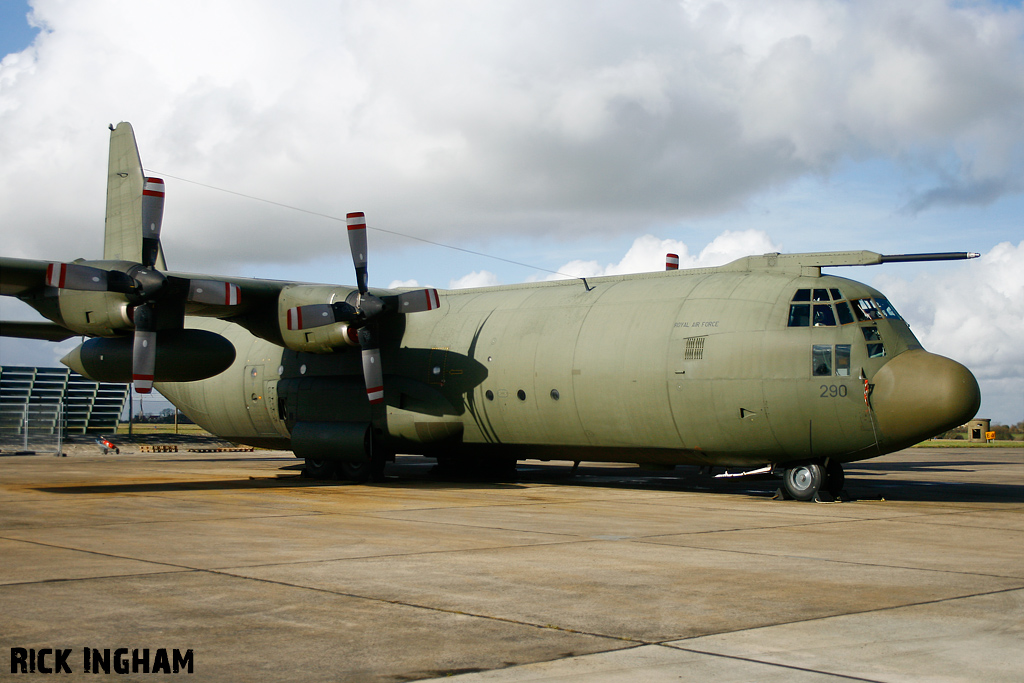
(978, 429)
(40, 395)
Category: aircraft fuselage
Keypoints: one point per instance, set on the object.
(688, 367)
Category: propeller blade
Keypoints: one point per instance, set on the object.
(313, 315)
(373, 373)
(357, 244)
(318, 315)
(418, 300)
(144, 349)
(76, 277)
(214, 292)
(152, 218)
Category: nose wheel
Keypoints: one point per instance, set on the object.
(803, 481)
(806, 480)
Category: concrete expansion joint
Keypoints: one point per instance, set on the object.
(764, 662)
(430, 608)
(672, 643)
(812, 558)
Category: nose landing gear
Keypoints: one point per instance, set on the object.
(805, 481)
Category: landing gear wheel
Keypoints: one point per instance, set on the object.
(318, 469)
(803, 481)
(362, 471)
(834, 477)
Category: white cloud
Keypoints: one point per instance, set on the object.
(471, 120)
(974, 314)
(399, 284)
(478, 278)
(648, 254)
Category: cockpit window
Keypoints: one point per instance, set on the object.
(818, 312)
(875, 347)
(866, 309)
(821, 360)
(799, 315)
(823, 315)
(887, 310)
(842, 360)
(843, 309)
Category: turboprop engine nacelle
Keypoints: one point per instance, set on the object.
(182, 356)
(103, 314)
(320, 339)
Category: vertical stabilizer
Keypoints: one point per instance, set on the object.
(125, 182)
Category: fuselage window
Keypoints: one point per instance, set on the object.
(821, 360)
(875, 347)
(799, 315)
(887, 309)
(866, 309)
(836, 294)
(821, 295)
(843, 309)
(843, 360)
(823, 315)
(802, 295)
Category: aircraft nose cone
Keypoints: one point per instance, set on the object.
(919, 394)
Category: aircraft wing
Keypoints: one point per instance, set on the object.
(33, 330)
(20, 276)
(256, 310)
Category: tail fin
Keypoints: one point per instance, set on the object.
(125, 182)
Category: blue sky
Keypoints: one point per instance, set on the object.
(553, 135)
(15, 32)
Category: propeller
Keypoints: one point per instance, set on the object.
(158, 301)
(152, 219)
(364, 315)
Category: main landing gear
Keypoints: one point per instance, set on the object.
(805, 481)
(358, 471)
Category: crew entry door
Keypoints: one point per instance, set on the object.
(259, 402)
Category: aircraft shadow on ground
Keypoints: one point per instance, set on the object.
(860, 485)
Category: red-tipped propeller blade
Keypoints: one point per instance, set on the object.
(313, 315)
(373, 375)
(152, 219)
(76, 277)
(418, 300)
(357, 244)
(143, 361)
(214, 292)
(373, 372)
(144, 349)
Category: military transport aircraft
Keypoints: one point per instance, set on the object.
(763, 364)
